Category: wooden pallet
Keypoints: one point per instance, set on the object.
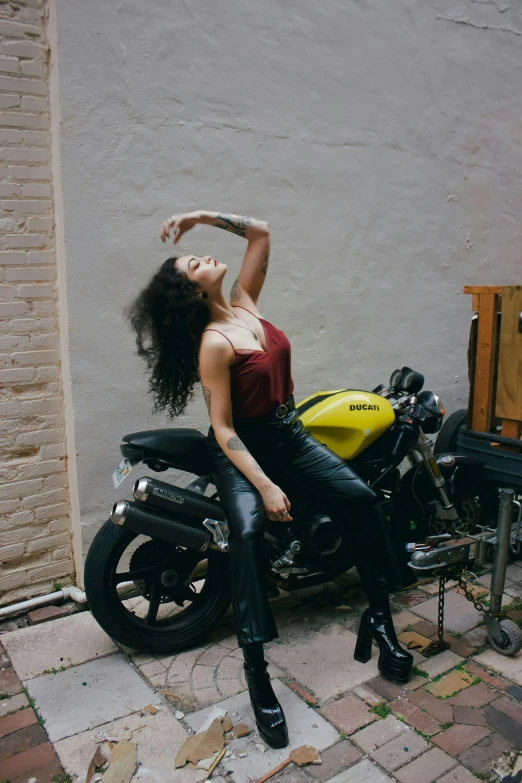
(496, 359)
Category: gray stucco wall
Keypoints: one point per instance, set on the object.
(381, 140)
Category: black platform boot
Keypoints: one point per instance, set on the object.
(377, 569)
(269, 715)
(394, 662)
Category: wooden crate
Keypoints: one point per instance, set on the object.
(496, 360)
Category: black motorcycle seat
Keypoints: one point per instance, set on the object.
(184, 448)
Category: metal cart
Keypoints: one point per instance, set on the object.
(495, 403)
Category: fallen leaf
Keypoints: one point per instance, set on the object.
(97, 760)
(217, 712)
(202, 745)
(172, 695)
(122, 763)
(414, 640)
(207, 763)
(305, 755)
(343, 608)
(151, 709)
(241, 730)
(183, 753)
(208, 743)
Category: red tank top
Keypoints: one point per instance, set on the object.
(260, 380)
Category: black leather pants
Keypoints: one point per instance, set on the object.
(288, 453)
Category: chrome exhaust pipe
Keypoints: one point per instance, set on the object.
(157, 524)
(176, 500)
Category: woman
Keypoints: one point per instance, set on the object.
(188, 331)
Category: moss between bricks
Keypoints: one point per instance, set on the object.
(32, 704)
(382, 709)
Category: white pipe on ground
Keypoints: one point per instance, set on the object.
(71, 591)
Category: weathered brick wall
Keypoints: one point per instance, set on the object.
(35, 538)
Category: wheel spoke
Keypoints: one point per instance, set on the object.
(129, 576)
(154, 603)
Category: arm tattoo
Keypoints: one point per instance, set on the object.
(236, 223)
(235, 292)
(264, 268)
(207, 395)
(235, 444)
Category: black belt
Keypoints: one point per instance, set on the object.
(279, 413)
(283, 410)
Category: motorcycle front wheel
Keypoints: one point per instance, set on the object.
(171, 599)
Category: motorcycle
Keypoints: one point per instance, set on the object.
(156, 574)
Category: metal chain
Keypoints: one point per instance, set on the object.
(468, 594)
(441, 644)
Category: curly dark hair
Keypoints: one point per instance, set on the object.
(169, 320)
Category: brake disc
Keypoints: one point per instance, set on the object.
(469, 513)
(173, 568)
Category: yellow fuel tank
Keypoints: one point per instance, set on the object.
(346, 421)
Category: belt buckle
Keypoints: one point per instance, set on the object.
(281, 411)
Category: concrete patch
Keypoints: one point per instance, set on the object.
(113, 689)
(509, 667)
(65, 642)
(459, 613)
(306, 727)
(323, 662)
(158, 738)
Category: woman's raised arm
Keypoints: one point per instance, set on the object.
(251, 277)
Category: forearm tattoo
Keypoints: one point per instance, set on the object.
(236, 224)
(235, 291)
(264, 268)
(207, 395)
(235, 444)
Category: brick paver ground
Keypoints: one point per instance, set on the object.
(446, 727)
(25, 750)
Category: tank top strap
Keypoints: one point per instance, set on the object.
(248, 311)
(221, 333)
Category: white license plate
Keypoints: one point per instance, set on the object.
(121, 472)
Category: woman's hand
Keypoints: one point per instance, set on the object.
(276, 503)
(179, 225)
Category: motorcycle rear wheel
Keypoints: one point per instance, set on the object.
(190, 614)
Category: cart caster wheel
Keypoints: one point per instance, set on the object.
(511, 638)
(490, 552)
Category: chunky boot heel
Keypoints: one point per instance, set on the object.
(394, 662)
(363, 648)
(268, 713)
